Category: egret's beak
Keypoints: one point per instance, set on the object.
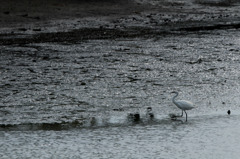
(173, 92)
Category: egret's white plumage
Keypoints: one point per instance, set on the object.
(182, 104)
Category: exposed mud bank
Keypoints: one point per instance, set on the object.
(79, 35)
(26, 21)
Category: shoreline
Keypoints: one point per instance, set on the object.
(72, 20)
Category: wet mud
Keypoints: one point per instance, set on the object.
(76, 71)
(77, 36)
(72, 21)
(93, 78)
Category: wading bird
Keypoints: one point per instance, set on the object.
(135, 117)
(149, 113)
(182, 104)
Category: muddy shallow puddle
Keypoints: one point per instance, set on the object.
(86, 90)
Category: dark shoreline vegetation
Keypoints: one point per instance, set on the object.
(79, 35)
(28, 21)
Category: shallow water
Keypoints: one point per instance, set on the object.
(86, 90)
(213, 136)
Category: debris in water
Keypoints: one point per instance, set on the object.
(229, 112)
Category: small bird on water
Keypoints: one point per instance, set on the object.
(149, 113)
(135, 117)
(229, 112)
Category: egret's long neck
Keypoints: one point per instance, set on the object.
(173, 99)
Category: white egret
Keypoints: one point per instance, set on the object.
(182, 104)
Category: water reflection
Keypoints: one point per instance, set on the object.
(168, 139)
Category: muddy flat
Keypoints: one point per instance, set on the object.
(74, 20)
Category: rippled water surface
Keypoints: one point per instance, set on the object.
(214, 136)
(86, 90)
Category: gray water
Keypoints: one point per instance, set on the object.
(63, 100)
(202, 137)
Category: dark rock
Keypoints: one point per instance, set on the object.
(37, 18)
(118, 109)
(135, 117)
(22, 29)
(7, 12)
(229, 112)
(83, 83)
(24, 15)
(37, 29)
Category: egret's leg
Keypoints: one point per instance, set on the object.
(186, 115)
